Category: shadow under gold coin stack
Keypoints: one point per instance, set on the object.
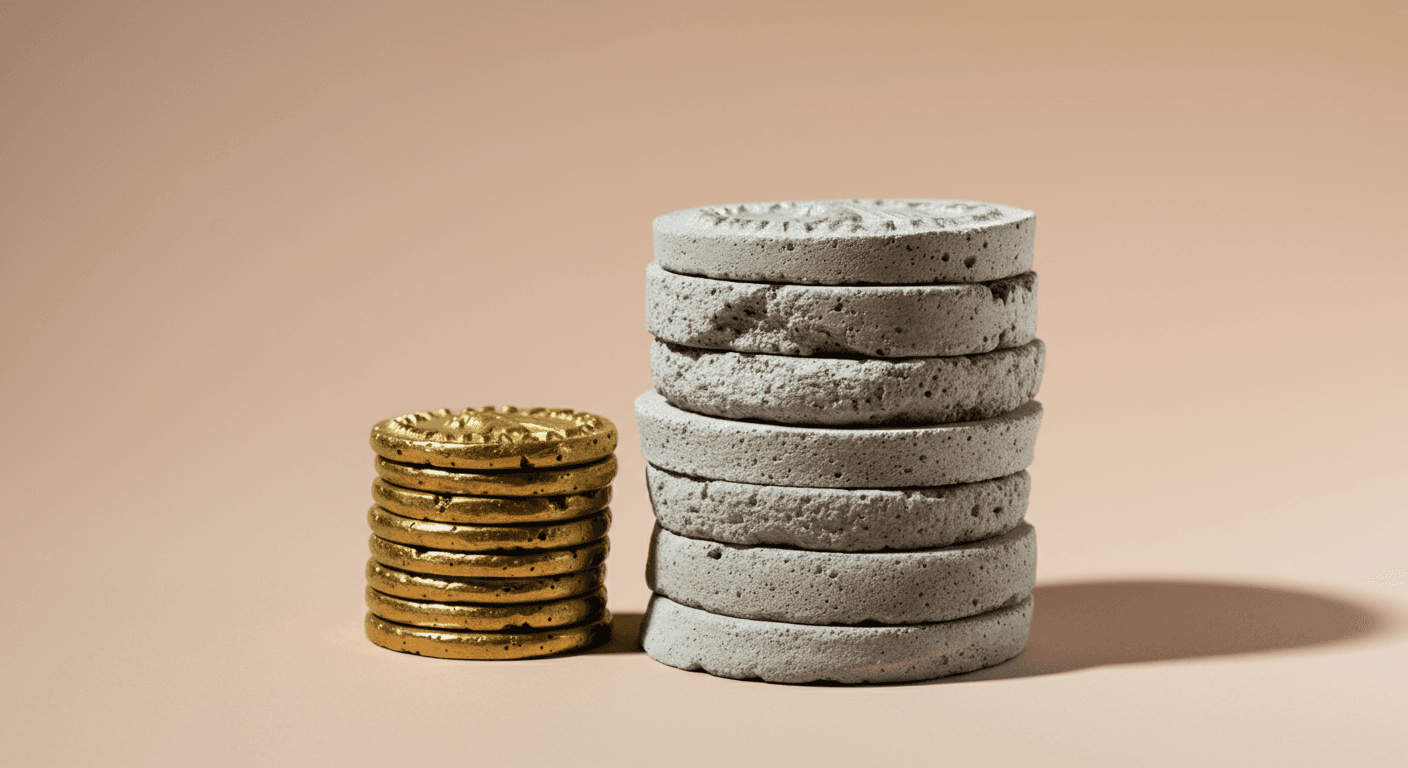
(489, 532)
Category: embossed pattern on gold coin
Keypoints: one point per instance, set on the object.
(452, 644)
(487, 510)
(548, 482)
(487, 538)
(446, 589)
(495, 438)
(488, 618)
(479, 565)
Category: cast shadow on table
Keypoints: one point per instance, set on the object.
(625, 634)
(1101, 623)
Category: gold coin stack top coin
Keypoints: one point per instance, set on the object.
(489, 532)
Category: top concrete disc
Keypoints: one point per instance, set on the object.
(849, 242)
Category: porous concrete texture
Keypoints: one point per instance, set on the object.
(837, 391)
(780, 652)
(836, 519)
(835, 457)
(849, 242)
(877, 321)
(805, 587)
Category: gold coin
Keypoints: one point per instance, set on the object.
(480, 565)
(484, 538)
(548, 482)
(450, 644)
(443, 589)
(488, 618)
(496, 438)
(487, 510)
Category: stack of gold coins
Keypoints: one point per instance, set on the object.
(489, 532)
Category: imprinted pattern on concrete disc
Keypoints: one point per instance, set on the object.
(830, 457)
(836, 519)
(878, 321)
(794, 585)
(839, 391)
(779, 652)
(849, 242)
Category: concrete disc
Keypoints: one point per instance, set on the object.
(849, 242)
(878, 321)
(847, 391)
(829, 457)
(804, 587)
(778, 652)
(836, 519)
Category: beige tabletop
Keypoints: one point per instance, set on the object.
(235, 235)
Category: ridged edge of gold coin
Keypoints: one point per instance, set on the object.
(488, 510)
(485, 646)
(547, 482)
(518, 617)
(444, 589)
(487, 538)
(495, 438)
(543, 562)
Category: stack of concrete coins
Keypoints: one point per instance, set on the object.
(489, 532)
(838, 437)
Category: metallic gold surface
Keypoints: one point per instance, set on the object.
(487, 510)
(488, 618)
(496, 438)
(451, 644)
(480, 565)
(548, 482)
(444, 589)
(487, 538)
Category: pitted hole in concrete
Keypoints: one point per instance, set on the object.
(714, 554)
(970, 261)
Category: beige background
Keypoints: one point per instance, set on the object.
(234, 235)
